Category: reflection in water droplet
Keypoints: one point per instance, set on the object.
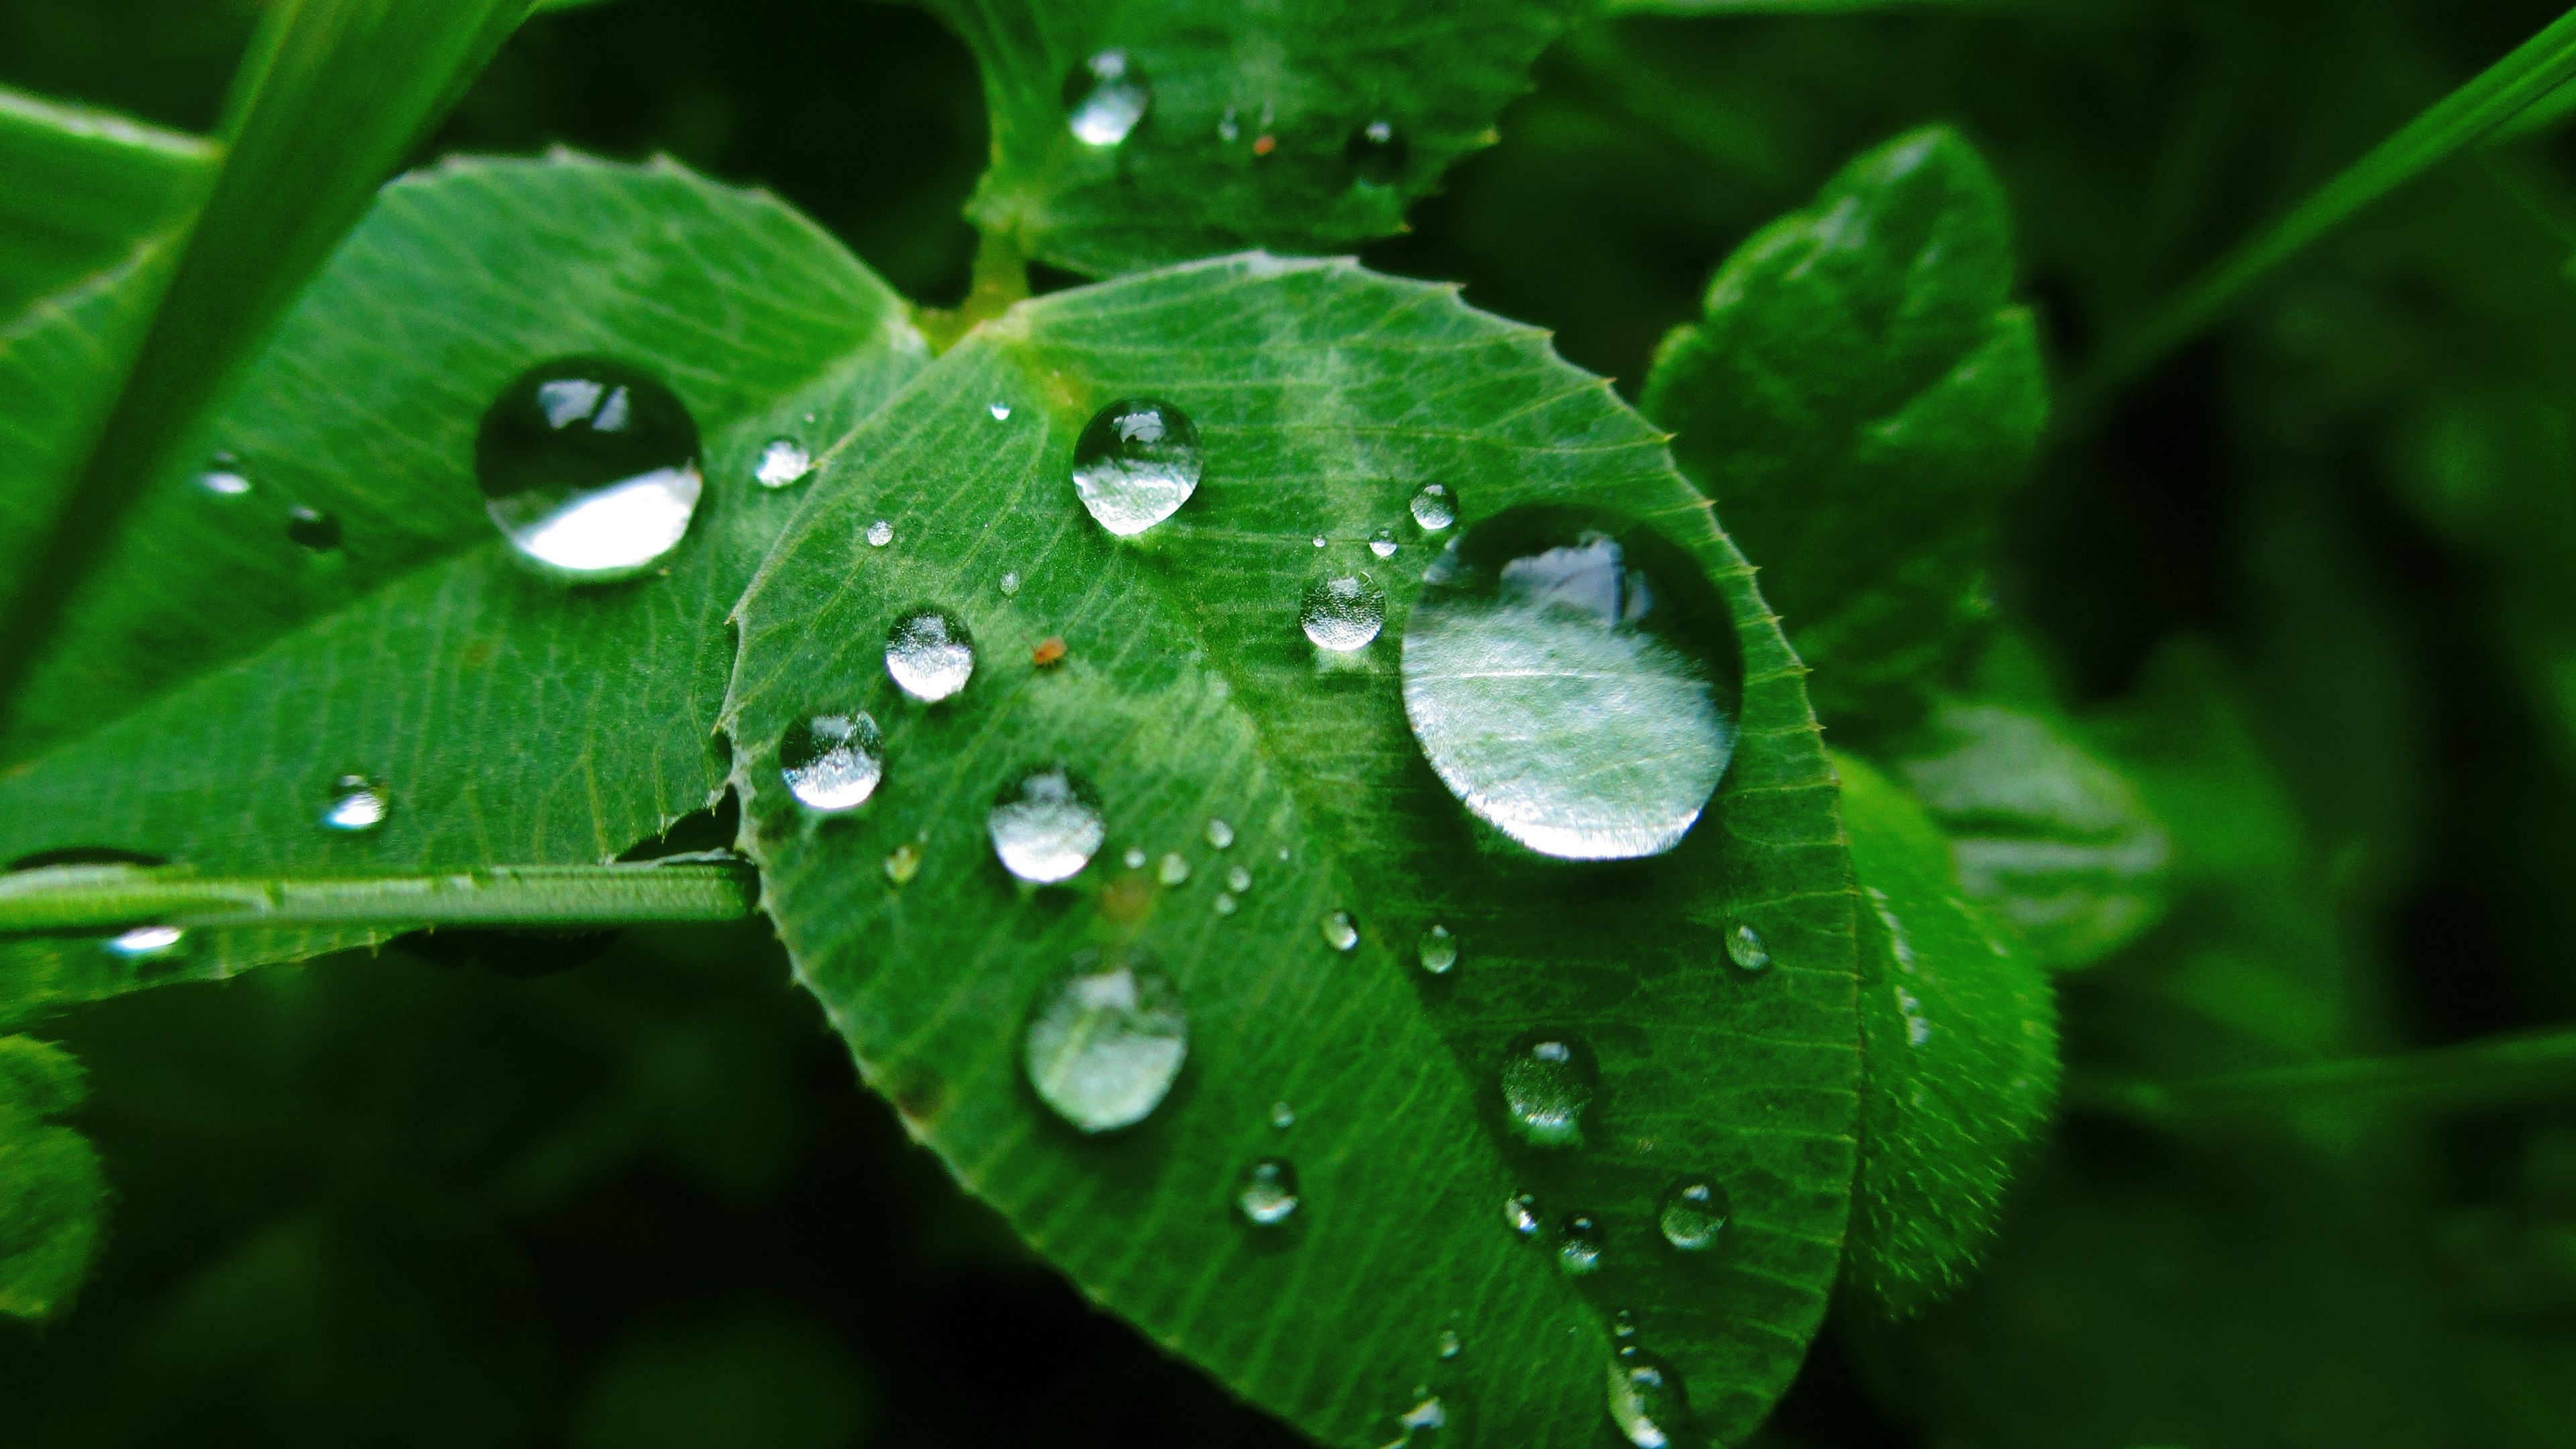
(1451, 1345)
(832, 762)
(1693, 1215)
(1548, 1079)
(1439, 949)
(1010, 584)
(903, 863)
(1578, 1246)
(1282, 1116)
(1340, 931)
(1105, 97)
(147, 943)
(589, 468)
(782, 461)
(880, 533)
(1647, 1401)
(223, 479)
(357, 803)
(930, 654)
(1268, 1194)
(312, 528)
(1344, 612)
(1744, 947)
(1382, 543)
(1172, 869)
(1575, 687)
(1001, 411)
(1520, 1214)
(1136, 463)
(1105, 1044)
(1237, 879)
(1046, 825)
(1376, 153)
(1434, 508)
(1220, 834)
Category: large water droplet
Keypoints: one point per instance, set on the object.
(1521, 1215)
(357, 803)
(1105, 97)
(1693, 1215)
(782, 461)
(1046, 825)
(1340, 931)
(1377, 153)
(310, 527)
(1136, 463)
(1343, 612)
(1267, 1196)
(930, 654)
(1647, 1400)
(590, 468)
(832, 762)
(1439, 949)
(1576, 686)
(1578, 1245)
(1744, 947)
(1434, 508)
(147, 943)
(1105, 1043)
(1548, 1079)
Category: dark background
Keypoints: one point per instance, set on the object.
(629, 1193)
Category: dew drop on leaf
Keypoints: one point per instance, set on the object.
(832, 762)
(1267, 1195)
(903, 863)
(223, 478)
(1219, 834)
(309, 527)
(1105, 1043)
(1224, 904)
(1377, 153)
(1172, 869)
(147, 943)
(1573, 683)
(1521, 1215)
(1548, 1079)
(1744, 947)
(1692, 1216)
(1134, 859)
(1434, 507)
(880, 533)
(1238, 879)
(1647, 1401)
(1344, 612)
(1340, 931)
(1282, 1116)
(589, 468)
(1438, 949)
(1001, 411)
(1046, 825)
(1105, 97)
(1136, 463)
(1010, 584)
(1578, 1245)
(356, 804)
(929, 654)
(1382, 543)
(1450, 1344)
(782, 461)
(1422, 1423)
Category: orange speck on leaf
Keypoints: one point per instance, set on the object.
(1264, 145)
(1049, 652)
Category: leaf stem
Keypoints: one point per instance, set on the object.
(2497, 1070)
(94, 898)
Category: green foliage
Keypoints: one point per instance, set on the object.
(52, 1190)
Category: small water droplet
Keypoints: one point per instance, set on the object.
(1574, 684)
(1340, 931)
(1520, 1214)
(309, 527)
(1136, 463)
(1001, 411)
(903, 863)
(1693, 1215)
(1227, 127)
(1238, 879)
(1438, 949)
(1450, 1344)
(1377, 152)
(1105, 1043)
(1382, 543)
(1744, 947)
(832, 762)
(1343, 612)
(1172, 869)
(1282, 1116)
(1220, 834)
(1623, 1325)
(1548, 1079)
(1010, 584)
(1225, 904)
(1267, 1196)
(1422, 1423)
(1319, 541)
(589, 468)
(357, 803)
(223, 478)
(1105, 97)
(929, 654)
(147, 943)
(1134, 859)
(1046, 825)
(1578, 1246)
(782, 461)
(1647, 1400)
(1434, 507)
(880, 533)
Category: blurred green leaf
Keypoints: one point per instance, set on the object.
(1858, 398)
(82, 187)
(52, 1188)
(1325, 396)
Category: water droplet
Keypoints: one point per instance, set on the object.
(1172, 869)
(782, 461)
(1382, 543)
(1225, 904)
(1623, 1325)
(1237, 879)
(903, 863)
(1421, 1423)
(1220, 834)
(1227, 127)
(147, 943)
(1136, 463)
(930, 654)
(1340, 931)
(1434, 508)
(832, 762)
(1578, 1246)
(1046, 825)
(589, 468)
(1647, 1401)
(357, 803)
(880, 533)
(1344, 612)
(223, 478)
(1451, 1345)
(1520, 1214)
(1744, 947)
(1105, 1043)
(1439, 949)
(1134, 859)
(1693, 1215)
(312, 528)
(1376, 153)
(1010, 584)
(1319, 541)
(1575, 686)
(1001, 411)
(1105, 97)
(1268, 1194)
(1548, 1079)
(1282, 1116)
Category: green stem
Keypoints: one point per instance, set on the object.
(92, 898)
(2492, 1071)
(2462, 118)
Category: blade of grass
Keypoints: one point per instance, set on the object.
(80, 187)
(99, 898)
(2490, 1071)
